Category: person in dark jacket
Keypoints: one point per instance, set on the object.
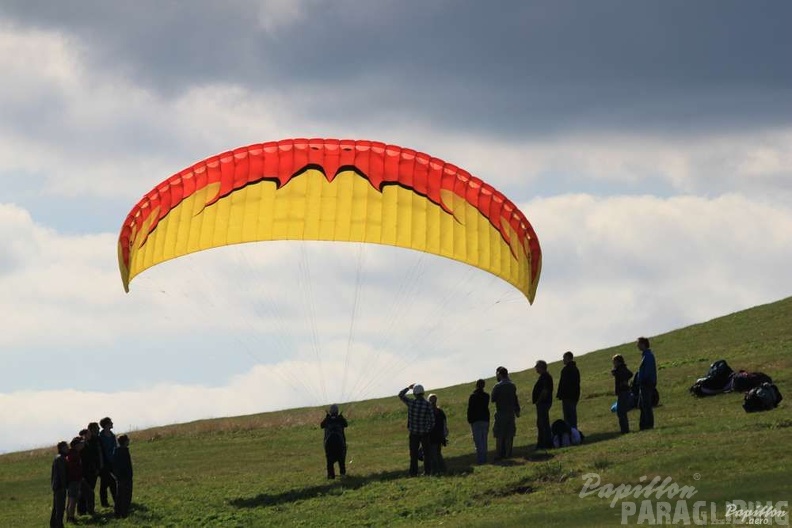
(478, 416)
(569, 389)
(507, 410)
(646, 379)
(122, 469)
(91, 462)
(621, 382)
(542, 398)
(107, 443)
(74, 477)
(335, 445)
(438, 437)
(59, 482)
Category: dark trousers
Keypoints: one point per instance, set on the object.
(480, 431)
(570, 412)
(331, 467)
(544, 438)
(106, 482)
(417, 442)
(333, 455)
(87, 501)
(645, 394)
(438, 463)
(503, 446)
(58, 508)
(123, 497)
(622, 407)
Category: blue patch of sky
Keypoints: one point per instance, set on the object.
(205, 360)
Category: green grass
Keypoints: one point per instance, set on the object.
(268, 469)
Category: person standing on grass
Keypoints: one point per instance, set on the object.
(335, 445)
(507, 410)
(569, 389)
(91, 462)
(420, 421)
(478, 416)
(74, 476)
(438, 437)
(122, 469)
(542, 398)
(646, 379)
(621, 381)
(59, 482)
(107, 442)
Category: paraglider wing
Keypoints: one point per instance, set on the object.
(331, 190)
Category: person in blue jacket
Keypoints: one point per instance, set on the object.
(646, 379)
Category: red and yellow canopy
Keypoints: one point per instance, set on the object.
(333, 190)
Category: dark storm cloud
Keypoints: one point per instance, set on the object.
(512, 67)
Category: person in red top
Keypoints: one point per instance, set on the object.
(74, 475)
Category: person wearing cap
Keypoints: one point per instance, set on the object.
(542, 398)
(420, 421)
(335, 444)
(74, 476)
(507, 410)
(59, 482)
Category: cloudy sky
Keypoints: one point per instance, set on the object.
(649, 144)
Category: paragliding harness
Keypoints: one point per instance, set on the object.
(765, 397)
(719, 379)
(565, 435)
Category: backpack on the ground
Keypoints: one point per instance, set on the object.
(562, 434)
(765, 397)
(718, 380)
(745, 381)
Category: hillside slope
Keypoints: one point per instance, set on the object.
(268, 469)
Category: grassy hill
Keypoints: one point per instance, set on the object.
(268, 469)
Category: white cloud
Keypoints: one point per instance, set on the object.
(35, 418)
(753, 163)
(614, 268)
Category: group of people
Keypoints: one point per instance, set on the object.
(428, 429)
(428, 426)
(507, 408)
(95, 455)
